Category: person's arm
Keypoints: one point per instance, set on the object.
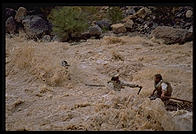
(130, 85)
(109, 81)
(162, 95)
(153, 92)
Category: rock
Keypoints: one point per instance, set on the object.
(46, 38)
(120, 34)
(56, 38)
(145, 26)
(63, 38)
(85, 35)
(187, 25)
(9, 12)
(172, 35)
(105, 8)
(10, 25)
(9, 35)
(75, 36)
(189, 14)
(179, 15)
(104, 24)
(149, 23)
(154, 25)
(20, 14)
(153, 17)
(143, 12)
(129, 24)
(152, 8)
(191, 29)
(118, 28)
(35, 26)
(95, 30)
(130, 11)
(35, 12)
(108, 33)
(139, 20)
(130, 17)
(136, 8)
(180, 12)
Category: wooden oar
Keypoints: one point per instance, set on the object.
(93, 85)
(178, 99)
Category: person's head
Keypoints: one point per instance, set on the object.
(157, 78)
(64, 63)
(115, 78)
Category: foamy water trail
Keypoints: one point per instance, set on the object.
(43, 95)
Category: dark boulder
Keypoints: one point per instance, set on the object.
(95, 30)
(104, 24)
(75, 36)
(10, 25)
(130, 11)
(85, 35)
(9, 12)
(35, 26)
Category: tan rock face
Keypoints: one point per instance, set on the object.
(129, 24)
(118, 28)
(171, 35)
(22, 12)
(128, 18)
(143, 12)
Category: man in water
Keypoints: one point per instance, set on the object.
(117, 84)
(162, 89)
(64, 63)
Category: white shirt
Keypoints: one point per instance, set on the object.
(163, 85)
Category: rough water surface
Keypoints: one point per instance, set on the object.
(43, 95)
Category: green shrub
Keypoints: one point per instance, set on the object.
(91, 12)
(46, 10)
(68, 20)
(115, 14)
